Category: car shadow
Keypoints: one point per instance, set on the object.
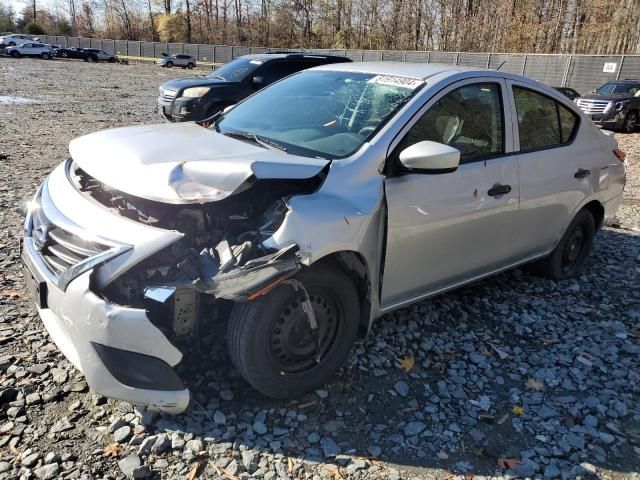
(512, 338)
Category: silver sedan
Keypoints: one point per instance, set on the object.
(313, 207)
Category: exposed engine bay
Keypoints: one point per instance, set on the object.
(221, 255)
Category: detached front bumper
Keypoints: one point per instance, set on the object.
(122, 354)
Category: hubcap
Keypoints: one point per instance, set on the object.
(292, 342)
(632, 122)
(573, 247)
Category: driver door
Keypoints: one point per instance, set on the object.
(445, 228)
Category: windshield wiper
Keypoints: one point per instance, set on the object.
(264, 142)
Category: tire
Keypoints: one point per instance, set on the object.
(271, 344)
(631, 122)
(190, 65)
(169, 64)
(571, 253)
(112, 60)
(15, 54)
(64, 54)
(45, 56)
(12, 44)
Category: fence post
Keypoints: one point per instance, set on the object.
(620, 67)
(457, 59)
(429, 57)
(565, 77)
(524, 63)
(488, 60)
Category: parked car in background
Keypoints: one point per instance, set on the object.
(615, 105)
(308, 210)
(100, 55)
(77, 53)
(16, 39)
(188, 99)
(31, 50)
(184, 61)
(570, 93)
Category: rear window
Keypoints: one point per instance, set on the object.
(542, 122)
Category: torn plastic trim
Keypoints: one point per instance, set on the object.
(255, 278)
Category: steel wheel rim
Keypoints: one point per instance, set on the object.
(291, 341)
(573, 248)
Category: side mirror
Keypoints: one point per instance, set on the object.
(430, 156)
(258, 81)
(226, 109)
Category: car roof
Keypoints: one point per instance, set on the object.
(265, 57)
(404, 69)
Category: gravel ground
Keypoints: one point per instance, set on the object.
(516, 376)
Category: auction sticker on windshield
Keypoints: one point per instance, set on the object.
(392, 80)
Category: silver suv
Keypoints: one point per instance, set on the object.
(184, 61)
(311, 208)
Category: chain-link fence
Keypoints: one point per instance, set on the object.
(582, 72)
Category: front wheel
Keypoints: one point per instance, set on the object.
(169, 64)
(45, 56)
(190, 65)
(271, 341)
(15, 54)
(631, 122)
(572, 251)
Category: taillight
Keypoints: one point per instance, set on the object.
(620, 154)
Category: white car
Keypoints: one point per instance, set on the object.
(16, 39)
(31, 50)
(311, 208)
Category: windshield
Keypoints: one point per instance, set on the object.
(619, 89)
(320, 113)
(236, 70)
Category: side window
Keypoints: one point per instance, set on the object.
(542, 122)
(468, 118)
(274, 71)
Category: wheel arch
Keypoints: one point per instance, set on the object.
(355, 266)
(597, 211)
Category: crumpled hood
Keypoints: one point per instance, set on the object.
(182, 83)
(182, 162)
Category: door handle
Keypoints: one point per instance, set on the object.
(499, 189)
(582, 173)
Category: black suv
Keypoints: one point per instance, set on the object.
(614, 105)
(194, 99)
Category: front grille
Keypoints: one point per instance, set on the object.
(592, 106)
(60, 249)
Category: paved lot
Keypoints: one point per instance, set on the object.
(515, 376)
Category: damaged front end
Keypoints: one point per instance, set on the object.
(221, 255)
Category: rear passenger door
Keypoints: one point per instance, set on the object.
(554, 176)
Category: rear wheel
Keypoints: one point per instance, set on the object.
(631, 121)
(571, 253)
(190, 65)
(45, 56)
(112, 60)
(272, 344)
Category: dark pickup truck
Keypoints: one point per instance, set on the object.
(615, 105)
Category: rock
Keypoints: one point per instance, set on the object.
(226, 395)
(329, 447)
(30, 459)
(162, 444)
(61, 425)
(146, 444)
(249, 460)
(177, 442)
(259, 427)
(48, 471)
(219, 418)
(574, 440)
(122, 434)
(374, 450)
(322, 393)
(414, 428)
(5, 467)
(33, 399)
(401, 389)
(195, 445)
(551, 471)
(129, 464)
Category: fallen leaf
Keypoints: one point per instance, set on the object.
(290, 464)
(407, 363)
(112, 450)
(533, 384)
(508, 463)
(332, 471)
(517, 410)
(10, 294)
(503, 418)
(196, 470)
(442, 455)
